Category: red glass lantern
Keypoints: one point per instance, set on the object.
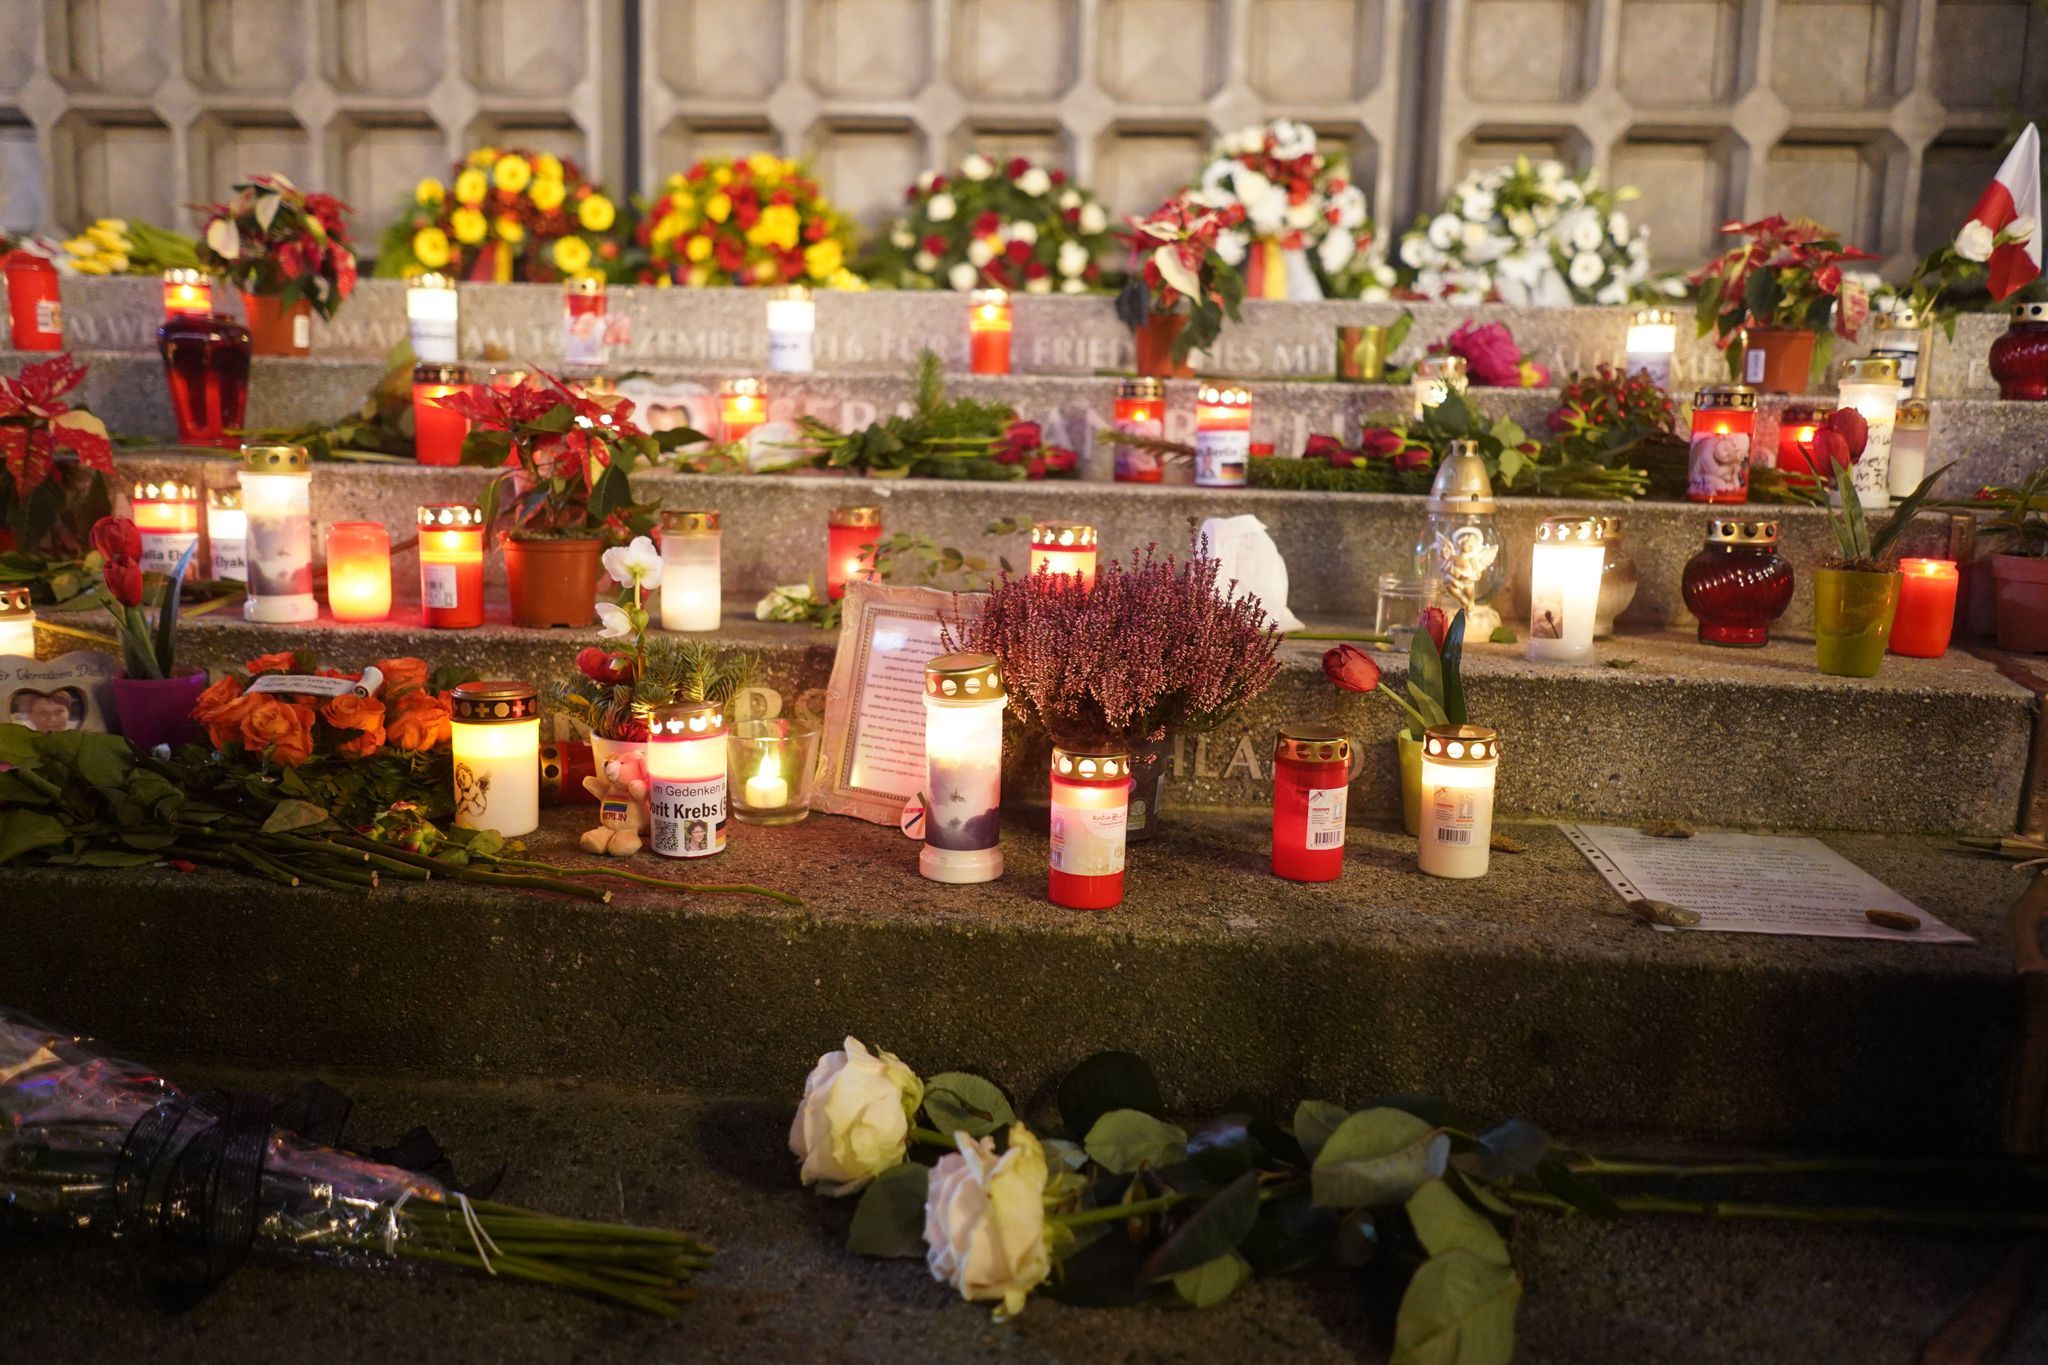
(988, 331)
(438, 432)
(1065, 548)
(1723, 432)
(358, 571)
(1311, 788)
(742, 406)
(166, 515)
(1738, 584)
(451, 566)
(2019, 357)
(1927, 608)
(206, 360)
(850, 538)
(35, 315)
(1091, 801)
(564, 763)
(1140, 411)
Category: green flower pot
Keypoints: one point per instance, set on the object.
(1411, 781)
(1852, 620)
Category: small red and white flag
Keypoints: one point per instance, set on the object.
(2004, 230)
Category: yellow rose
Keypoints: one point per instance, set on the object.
(547, 166)
(718, 207)
(470, 226)
(547, 195)
(721, 175)
(764, 271)
(822, 260)
(698, 277)
(471, 186)
(777, 227)
(596, 214)
(572, 255)
(482, 156)
(764, 166)
(430, 247)
(429, 191)
(698, 249)
(510, 230)
(848, 281)
(682, 201)
(512, 173)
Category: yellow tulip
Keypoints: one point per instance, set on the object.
(596, 213)
(471, 186)
(510, 230)
(698, 249)
(822, 260)
(470, 226)
(90, 267)
(116, 262)
(429, 191)
(512, 173)
(547, 166)
(81, 246)
(430, 247)
(547, 195)
(698, 277)
(572, 255)
(718, 207)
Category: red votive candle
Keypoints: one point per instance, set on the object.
(1927, 608)
(35, 316)
(451, 566)
(850, 538)
(988, 331)
(742, 406)
(1796, 426)
(438, 432)
(1311, 787)
(1723, 432)
(1091, 802)
(1140, 411)
(1066, 548)
(167, 516)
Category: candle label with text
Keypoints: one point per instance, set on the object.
(1719, 464)
(49, 316)
(1088, 843)
(433, 340)
(1325, 828)
(437, 585)
(790, 352)
(161, 550)
(1456, 814)
(230, 558)
(583, 339)
(687, 817)
(1872, 472)
(1221, 457)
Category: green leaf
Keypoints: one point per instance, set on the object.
(1581, 1193)
(1458, 1310)
(24, 831)
(294, 814)
(1377, 1157)
(104, 760)
(105, 857)
(556, 419)
(1223, 1148)
(1124, 1140)
(1444, 1222)
(1106, 1081)
(1210, 1284)
(956, 1101)
(1426, 671)
(1512, 1148)
(1502, 635)
(1213, 1230)
(1314, 1121)
(18, 746)
(1291, 1234)
(1452, 664)
(889, 1220)
(1432, 710)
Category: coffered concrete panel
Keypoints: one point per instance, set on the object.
(1839, 183)
(1161, 51)
(1138, 167)
(869, 48)
(227, 148)
(377, 160)
(1015, 49)
(870, 163)
(1836, 54)
(725, 48)
(1323, 51)
(684, 142)
(1680, 51)
(247, 46)
(381, 47)
(1525, 49)
(1684, 178)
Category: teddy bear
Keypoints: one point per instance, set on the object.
(621, 793)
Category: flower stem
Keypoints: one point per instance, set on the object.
(1117, 1213)
(932, 1138)
(1365, 635)
(1816, 1166)
(1945, 1219)
(642, 879)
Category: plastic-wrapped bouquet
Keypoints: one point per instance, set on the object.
(1009, 225)
(1307, 231)
(508, 214)
(91, 1143)
(1531, 234)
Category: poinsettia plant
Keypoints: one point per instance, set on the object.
(272, 238)
(1787, 272)
(757, 220)
(1012, 225)
(1176, 268)
(507, 214)
(48, 504)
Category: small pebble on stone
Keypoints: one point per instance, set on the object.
(1503, 844)
(1665, 913)
(1893, 919)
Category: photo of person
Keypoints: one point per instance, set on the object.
(696, 836)
(49, 712)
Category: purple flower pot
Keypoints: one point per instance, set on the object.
(155, 711)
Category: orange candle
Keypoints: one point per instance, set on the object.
(167, 515)
(988, 331)
(850, 539)
(742, 406)
(1066, 548)
(1927, 608)
(451, 566)
(358, 571)
(187, 291)
(437, 432)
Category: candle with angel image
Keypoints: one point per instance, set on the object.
(1723, 432)
(963, 749)
(1461, 549)
(494, 735)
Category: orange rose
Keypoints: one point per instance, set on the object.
(224, 730)
(280, 662)
(215, 700)
(421, 721)
(363, 714)
(401, 676)
(282, 731)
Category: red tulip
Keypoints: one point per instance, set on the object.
(116, 538)
(603, 666)
(1351, 668)
(1438, 623)
(124, 581)
(1852, 428)
(1830, 449)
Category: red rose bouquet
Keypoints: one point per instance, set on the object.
(1012, 225)
(758, 220)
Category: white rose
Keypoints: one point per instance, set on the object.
(1073, 286)
(1070, 198)
(1975, 241)
(962, 276)
(1476, 204)
(1612, 294)
(1429, 283)
(902, 238)
(1073, 258)
(1549, 172)
(940, 208)
(1375, 293)
(924, 180)
(1586, 269)
(984, 1220)
(1041, 285)
(1545, 214)
(1521, 224)
(1025, 232)
(1617, 227)
(1444, 231)
(854, 1122)
(1581, 231)
(1230, 245)
(1093, 219)
(925, 261)
(2018, 230)
(1034, 181)
(980, 252)
(1415, 252)
(1473, 236)
(1336, 250)
(977, 167)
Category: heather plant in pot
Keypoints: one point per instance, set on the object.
(1435, 694)
(1774, 296)
(567, 492)
(2020, 573)
(1856, 590)
(1153, 648)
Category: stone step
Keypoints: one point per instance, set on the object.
(1660, 728)
(1526, 992)
(784, 1289)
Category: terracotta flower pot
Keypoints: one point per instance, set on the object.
(1411, 781)
(553, 582)
(1777, 359)
(2022, 594)
(1155, 347)
(275, 329)
(1148, 774)
(155, 711)
(1852, 620)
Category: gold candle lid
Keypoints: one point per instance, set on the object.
(187, 275)
(1152, 389)
(1727, 531)
(1091, 765)
(436, 372)
(164, 492)
(1223, 395)
(583, 284)
(689, 523)
(988, 296)
(1062, 535)
(1313, 744)
(687, 720)
(1653, 317)
(743, 387)
(431, 279)
(441, 516)
(16, 604)
(963, 677)
(791, 293)
(1897, 320)
(2030, 312)
(1461, 484)
(1725, 398)
(1470, 746)
(1440, 367)
(1805, 414)
(1571, 531)
(857, 516)
(277, 459)
(494, 703)
(224, 499)
(1912, 415)
(1610, 527)
(1870, 369)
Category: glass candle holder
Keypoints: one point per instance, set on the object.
(1140, 411)
(431, 314)
(358, 571)
(692, 590)
(1362, 354)
(792, 330)
(1618, 579)
(227, 534)
(277, 497)
(1871, 386)
(1898, 335)
(1926, 616)
(451, 565)
(1909, 448)
(1461, 548)
(774, 762)
(438, 432)
(1066, 548)
(187, 291)
(1797, 423)
(851, 534)
(963, 754)
(1564, 588)
(1723, 437)
(35, 312)
(494, 733)
(564, 763)
(167, 516)
(2018, 359)
(17, 623)
(1652, 338)
(1738, 583)
(1223, 435)
(687, 807)
(988, 331)
(742, 406)
(1091, 806)
(206, 362)
(1311, 789)
(583, 323)
(1458, 763)
(1399, 602)
(1436, 378)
